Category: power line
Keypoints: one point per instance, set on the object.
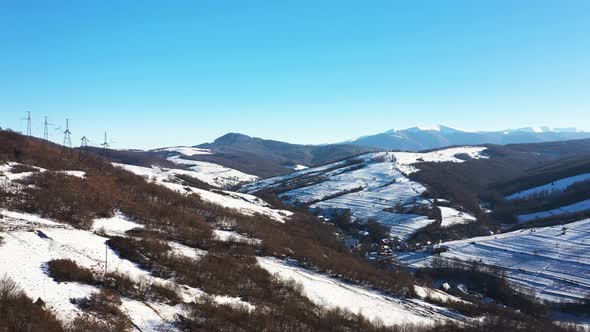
(68, 135)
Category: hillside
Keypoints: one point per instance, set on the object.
(456, 196)
(90, 245)
(107, 250)
(268, 158)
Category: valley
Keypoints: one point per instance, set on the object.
(346, 259)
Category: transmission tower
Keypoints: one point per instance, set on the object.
(67, 135)
(28, 118)
(84, 142)
(46, 129)
(105, 145)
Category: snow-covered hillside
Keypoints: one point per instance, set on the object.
(213, 174)
(375, 306)
(371, 186)
(30, 242)
(185, 150)
(572, 208)
(553, 261)
(244, 203)
(557, 186)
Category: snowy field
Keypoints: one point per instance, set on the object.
(553, 262)
(559, 185)
(380, 183)
(333, 293)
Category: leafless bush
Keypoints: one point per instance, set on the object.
(67, 270)
(104, 306)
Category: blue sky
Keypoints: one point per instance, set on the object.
(159, 73)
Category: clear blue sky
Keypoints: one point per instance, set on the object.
(159, 73)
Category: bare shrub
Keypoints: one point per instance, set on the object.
(67, 270)
(104, 306)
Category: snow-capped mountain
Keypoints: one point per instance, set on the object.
(421, 138)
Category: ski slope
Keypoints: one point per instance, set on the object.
(559, 185)
(552, 262)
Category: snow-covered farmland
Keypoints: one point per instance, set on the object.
(559, 185)
(552, 261)
(333, 293)
(245, 203)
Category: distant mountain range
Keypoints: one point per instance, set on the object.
(421, 138)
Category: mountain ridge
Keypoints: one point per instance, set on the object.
(422, 138)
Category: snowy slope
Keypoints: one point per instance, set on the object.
(30, 241)
(185, 150)
(576, 207)
(559, 185)
(370, 186)
(332, 293)
(554, 263)
(214, 174)
(244, 203)
(405, 160)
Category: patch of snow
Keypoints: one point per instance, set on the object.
(117, 225)
(186, 251)
(230, 236)
(426, 293)
(78, 174)
(451, 216)
(299, 167)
